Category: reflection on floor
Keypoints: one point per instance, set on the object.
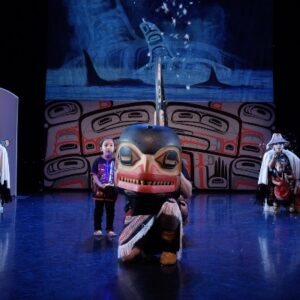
(231, 251)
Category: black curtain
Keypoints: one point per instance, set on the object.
(23, 35)
(286, 71)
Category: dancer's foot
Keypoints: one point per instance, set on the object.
(97, 233)
(111, 234)
(133, 254)
(168, 258)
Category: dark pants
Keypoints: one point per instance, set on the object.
(5, 195)
(98, 213)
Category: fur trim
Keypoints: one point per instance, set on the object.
(126, 244)
(171, 208)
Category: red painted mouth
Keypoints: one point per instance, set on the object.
(147, 183)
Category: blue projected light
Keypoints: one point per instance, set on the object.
(105, 49)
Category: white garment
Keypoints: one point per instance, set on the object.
(294, 161)
(4, 167)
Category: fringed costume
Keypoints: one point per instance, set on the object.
(148, 166)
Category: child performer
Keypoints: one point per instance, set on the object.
(104, 192)
(283, 186)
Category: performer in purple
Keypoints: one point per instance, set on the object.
(104, 192)
(148, 170)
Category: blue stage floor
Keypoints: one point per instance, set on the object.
(231, 251)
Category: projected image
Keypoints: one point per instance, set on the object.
(210, 50)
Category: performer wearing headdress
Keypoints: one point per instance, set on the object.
(148, 170)
(276, 155)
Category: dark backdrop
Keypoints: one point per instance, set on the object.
(23, 36)
(23, 33)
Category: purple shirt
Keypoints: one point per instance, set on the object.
(104, 169)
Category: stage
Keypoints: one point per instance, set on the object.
(231, 250)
